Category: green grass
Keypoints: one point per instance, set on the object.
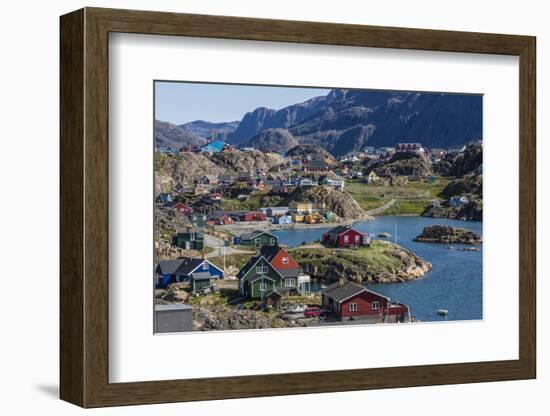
(411, 198)
(376, 258)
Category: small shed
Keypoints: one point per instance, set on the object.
(272, 299)
(199, 281)
(173, 318)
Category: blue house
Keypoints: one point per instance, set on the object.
(283, 219)
(164, 198)
(185, 269)
(213, 147)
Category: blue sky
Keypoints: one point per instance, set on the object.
(180, 102)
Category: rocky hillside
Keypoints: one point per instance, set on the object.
(237, 161)
(382, 262)
(315, 152)
(184, 168)
(347, 120)
(402, 164)
(469, 187)
(468, 161)
(339, 202)
(272, 140)
(171, 135)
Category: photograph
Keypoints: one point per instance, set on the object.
(293, 207)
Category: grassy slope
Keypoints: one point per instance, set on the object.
(411, 198)
(377, 258)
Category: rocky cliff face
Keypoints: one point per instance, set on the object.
(339, 202)
(468, 161)
(346, 120)
(402, 164)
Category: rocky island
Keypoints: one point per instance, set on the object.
(447, 234)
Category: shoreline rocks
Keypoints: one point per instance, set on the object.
(448, 235)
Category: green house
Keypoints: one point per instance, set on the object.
(198, 220)
(257, 238)
(258, 277)
(189, 240)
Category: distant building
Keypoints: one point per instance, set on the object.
(283, 219)
(198, 220)
(163, 198)
(189, 239)
(276, 211)
(179, 207)
(214, 147)
(209, 180)
(307, 182)
(257, 238)
(335, 183)
(181, 270)
(457, 201)
(317, 165)
(253, 216)
(301, 207)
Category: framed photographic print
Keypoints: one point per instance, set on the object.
(260, 207)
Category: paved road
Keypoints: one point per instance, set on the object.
(218, 245)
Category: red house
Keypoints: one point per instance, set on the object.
(345, 236)
(180, 207)
(253, 216)
(225, 220)
(348, 300)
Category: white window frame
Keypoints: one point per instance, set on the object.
(357, 238)
(272, 240)
(290, 282)
(375, 305)
(285, 260)
(263, 286)
(257, 241)
(352, 307)
(205, 266)
(346, 238)
(261, 269)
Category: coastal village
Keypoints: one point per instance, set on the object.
(219, 209)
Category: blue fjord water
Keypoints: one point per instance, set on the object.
(455, 283)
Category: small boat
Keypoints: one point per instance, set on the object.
(442, 312)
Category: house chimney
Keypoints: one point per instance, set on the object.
(341, 281)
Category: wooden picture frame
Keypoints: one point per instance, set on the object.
(84, 207)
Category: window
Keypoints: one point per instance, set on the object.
(205, 266)
(263, 287)
(353, 307)
(272, 240)
(261, 269)
(257, 241)
(357, 238)
(375, 304)
(346, 239)
(291, 282)
(285, 260)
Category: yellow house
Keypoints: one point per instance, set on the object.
(297, 218)
(301, 207)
